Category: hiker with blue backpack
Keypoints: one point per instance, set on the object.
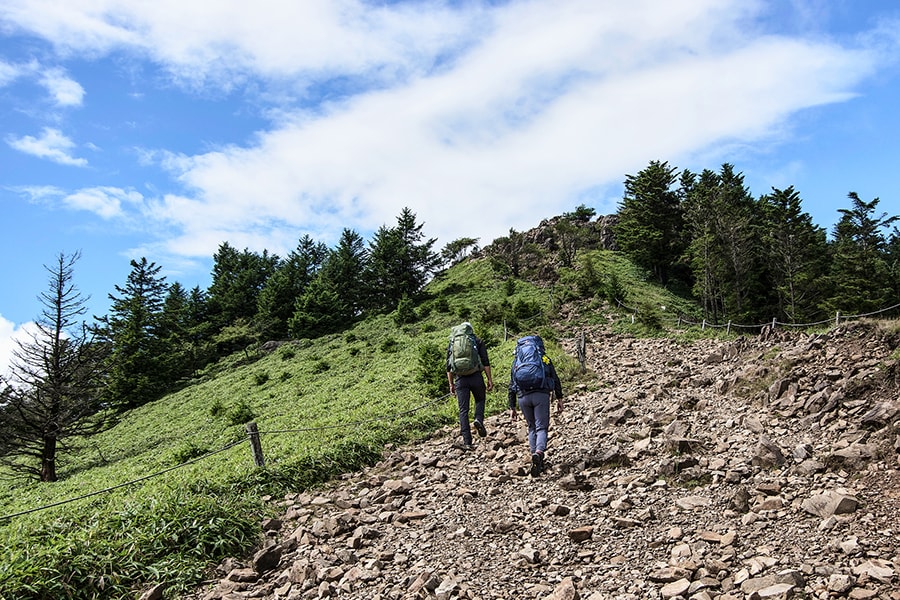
(532, 379)
(467, 358)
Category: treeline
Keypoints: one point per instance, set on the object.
(70, 379)
(743, 259)
(749, 260)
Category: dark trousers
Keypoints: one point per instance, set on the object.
(468, 387)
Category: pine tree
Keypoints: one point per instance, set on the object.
(318, 312)
(237, 279)
(650, 225)
(279, 294)
(796, 253)
(137, 371)
(344, 269)
(401, 262)
(55, 383)
(860, 273)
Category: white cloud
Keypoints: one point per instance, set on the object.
(8, 73)
(489, 116)
(106, 202)
(52, 145)
(64, 90)
(204, 41)
(10, 334)
(521, 126)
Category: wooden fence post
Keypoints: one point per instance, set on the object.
(582, 352)
(837, 318)
(255, 447)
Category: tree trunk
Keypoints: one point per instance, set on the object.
(48, 460)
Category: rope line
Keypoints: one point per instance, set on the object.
(121, 485)
(430, 403)
(838, 318)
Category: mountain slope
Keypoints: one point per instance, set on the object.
(763, 467)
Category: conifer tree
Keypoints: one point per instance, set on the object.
(280, 292)
(133, 329)
(54, 392)
(650, 226)
(860, 272)
(796, 254)
(400, 262)
(237, 279)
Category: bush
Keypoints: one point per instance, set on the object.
(442, 305)
(405, 313)
(187, 452)
(216, 408)
(241, 413)
(320, 366)
(432, 368)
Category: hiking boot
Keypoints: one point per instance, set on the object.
(480, 429)
(463, 445)
(537, 463)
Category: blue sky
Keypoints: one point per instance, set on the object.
(133, 129)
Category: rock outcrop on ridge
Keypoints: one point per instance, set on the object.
(766, 467)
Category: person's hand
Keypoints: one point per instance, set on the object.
(490, 385)
(452, 389)
(512, 414)
(559, 405)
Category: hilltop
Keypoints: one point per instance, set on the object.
(759, 467)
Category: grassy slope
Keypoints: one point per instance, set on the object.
(324, 406)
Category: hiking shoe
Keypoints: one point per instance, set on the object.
(462, 445)
(537, 464)
(480, 429)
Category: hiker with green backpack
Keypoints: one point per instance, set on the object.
(467, 357)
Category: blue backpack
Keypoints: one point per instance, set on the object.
(531, 365)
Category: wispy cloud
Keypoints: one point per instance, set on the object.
(503, 112)
(8, 73)
(64, 90)
(105, 202)
(520, 126)
(10, 336)
(52, 145)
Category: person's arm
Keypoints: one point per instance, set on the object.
(485, 362)
(511, 397)
(557, 389)
(450, 378)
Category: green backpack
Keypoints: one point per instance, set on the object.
(464, 358)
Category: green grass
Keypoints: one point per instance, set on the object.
(323, 407)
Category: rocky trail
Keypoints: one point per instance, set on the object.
(765, 467)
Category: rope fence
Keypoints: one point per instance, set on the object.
(253, 437)
(838, 318)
